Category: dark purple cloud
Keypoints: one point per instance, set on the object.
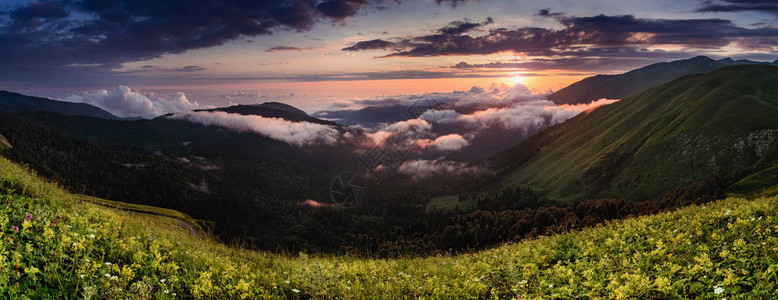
(289, 49)
(582, 34)
(768, 6)
(188, 69)
(99, 35)
(546, 12)
(460, 27)
(371, 45)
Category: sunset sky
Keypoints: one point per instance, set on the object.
(311, 53)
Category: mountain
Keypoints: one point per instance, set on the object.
(623, 85)
(16, 103)
(272, 110)
(666, 137)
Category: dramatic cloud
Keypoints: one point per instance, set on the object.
(124, 102)
(425, 168)
(580, 35)
(768, 6)
(64, 33)
(293, 133)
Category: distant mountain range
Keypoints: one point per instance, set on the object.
(16, 103)
(724, 122)
(623, 85)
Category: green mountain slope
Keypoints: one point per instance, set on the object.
(725, 122)
(16, 103)
(57, 247)
(623, 85)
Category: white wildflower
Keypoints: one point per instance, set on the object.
(718, 290)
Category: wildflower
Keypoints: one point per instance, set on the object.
(56, 222)
(728, 212)
(295, 290)
(107, 275)
(107, 263)
(92, 236)
(15, 229)
(166, 292)
(43, 194)
(551, 285)
(28, 217)
(82, 275)
(173, 294)
(162, 280)
(718, 290)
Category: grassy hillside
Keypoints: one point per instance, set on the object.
(658, 140)
(55, 246)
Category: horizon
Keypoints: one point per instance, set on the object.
(316, 55)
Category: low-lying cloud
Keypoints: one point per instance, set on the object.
(449, 142)
(293, 133)
(469, 125)
(531, 115)
(124, 102)
(420, 168)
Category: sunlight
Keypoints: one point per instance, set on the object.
(516, 80)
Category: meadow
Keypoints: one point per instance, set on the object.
(53, 245)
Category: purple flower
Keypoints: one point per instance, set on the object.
(56, 222)
(15, 229)
(28, 217)
(43, 194)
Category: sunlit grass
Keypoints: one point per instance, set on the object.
(65, 248)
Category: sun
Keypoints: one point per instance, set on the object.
(516, 79)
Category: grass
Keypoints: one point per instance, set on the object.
(658, 140)
(145, 209)
(760, 184)
(449, 202)
(65, 248)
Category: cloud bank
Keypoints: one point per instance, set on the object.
(293, 133)
(420, 168)
(124, 102)
(468, 125)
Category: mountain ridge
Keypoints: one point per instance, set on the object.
(11, 102)
(622, 85)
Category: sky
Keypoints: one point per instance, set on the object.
(312, 54)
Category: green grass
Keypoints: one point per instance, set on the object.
(760, 184)
(449, 202)
(139, 208)
(74, 249)
(658, 140)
